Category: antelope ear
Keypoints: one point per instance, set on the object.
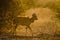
(33, 14)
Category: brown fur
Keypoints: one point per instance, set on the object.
(25, 21)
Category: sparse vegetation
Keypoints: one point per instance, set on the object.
(9, 9)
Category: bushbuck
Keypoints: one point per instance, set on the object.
(24, 21)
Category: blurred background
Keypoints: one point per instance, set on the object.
(47, 12)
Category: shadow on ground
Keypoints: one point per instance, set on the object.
(38, 37)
